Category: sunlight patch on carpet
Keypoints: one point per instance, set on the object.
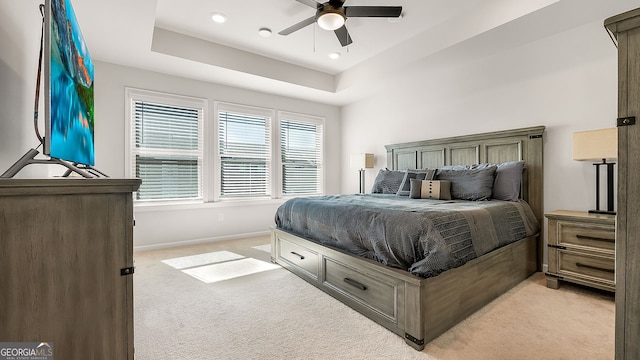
(265, 248)
(229, 270)
(202, 259)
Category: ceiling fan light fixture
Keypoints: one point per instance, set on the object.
(331, 20)
(332, 16)
(395, 20)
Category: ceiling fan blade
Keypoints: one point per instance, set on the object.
(372, 11)
(298, 26)
(312, 3)
(343, 36)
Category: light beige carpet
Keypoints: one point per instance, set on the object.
(185, 309)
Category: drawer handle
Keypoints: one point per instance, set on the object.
(355, 283)
(595, 268)
(298, 255)
(595, 238)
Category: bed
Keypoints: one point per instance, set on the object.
(416, 306)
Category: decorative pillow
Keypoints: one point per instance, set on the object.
(422, 174)
(416, 189)
(430, 189)
(506, 186)
(387, 181)
(470, 184)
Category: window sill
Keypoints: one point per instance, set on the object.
(171, 206)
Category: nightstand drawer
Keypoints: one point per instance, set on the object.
(586, 266)
(601, 237)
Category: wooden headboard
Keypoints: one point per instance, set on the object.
(493, 147)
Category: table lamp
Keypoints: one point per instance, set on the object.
(361, 162)
(598, 145)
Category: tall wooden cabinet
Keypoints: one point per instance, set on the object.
(66, 254)
(625, 31)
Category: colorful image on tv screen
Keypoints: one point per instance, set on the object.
(71, 89)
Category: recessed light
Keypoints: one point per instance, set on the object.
(334, 55)
(264, 32)
(218, 17)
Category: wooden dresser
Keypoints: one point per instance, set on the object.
(624, 30)
(581, 249)
(66, 260)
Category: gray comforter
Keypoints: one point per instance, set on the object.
(424, 237)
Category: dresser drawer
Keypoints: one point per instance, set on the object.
(299, 257)
(592, 236)
(373, 291)
(586, 266)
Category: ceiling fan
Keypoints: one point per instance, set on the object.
(332, 15)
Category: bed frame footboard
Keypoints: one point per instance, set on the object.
(417, 309)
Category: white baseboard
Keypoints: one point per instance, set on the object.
(198, 241)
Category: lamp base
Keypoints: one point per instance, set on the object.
(602, 212)
(609, 168)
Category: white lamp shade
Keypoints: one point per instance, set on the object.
(331, 21)
(361, 161)
(595, 145)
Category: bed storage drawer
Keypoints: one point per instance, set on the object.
(300, 258)
(371, 290)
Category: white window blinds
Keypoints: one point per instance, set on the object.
(167, 149)
(244, 153)
(301, 151)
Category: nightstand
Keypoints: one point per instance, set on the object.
(581, 249)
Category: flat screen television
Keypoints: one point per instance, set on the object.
(68, 89)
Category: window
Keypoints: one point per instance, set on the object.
(166, 146)
(244, 151)
(301, 154)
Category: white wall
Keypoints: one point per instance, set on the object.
(159, 226)
(567, 82)
(19, 45)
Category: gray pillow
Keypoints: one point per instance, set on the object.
(387, 181)
(421, 174)
(469, 184)
(508, 178)
(506, 186)
(416, 189)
